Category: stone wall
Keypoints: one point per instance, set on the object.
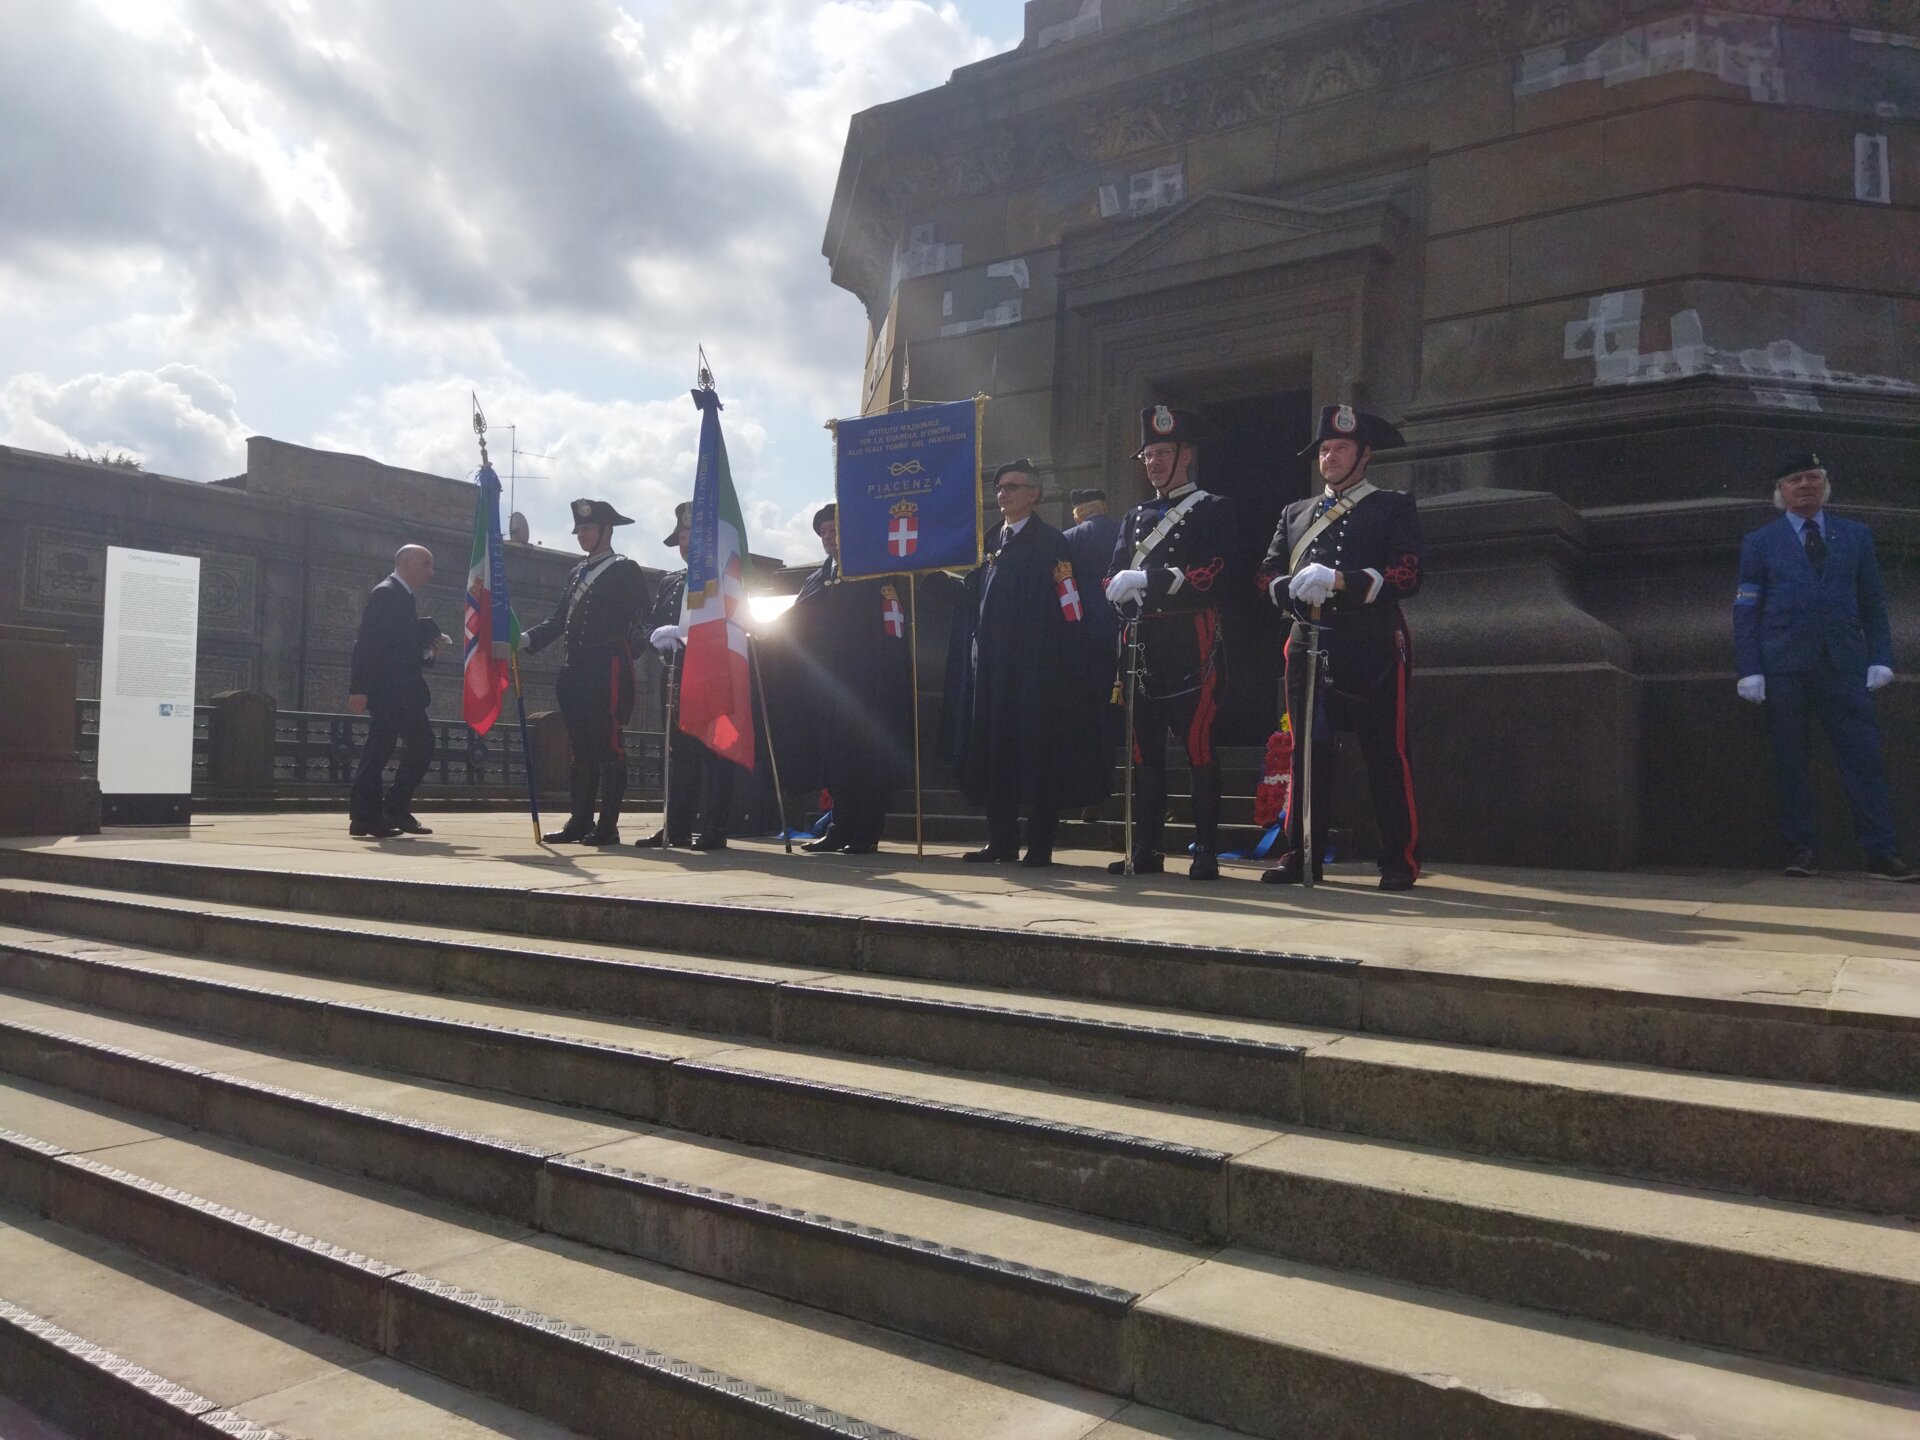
(288, 552)
(1605, 259)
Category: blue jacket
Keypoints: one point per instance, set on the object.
(1786, 618)
(1090, 543)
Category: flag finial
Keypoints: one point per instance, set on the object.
(703, 376)
(479, 427)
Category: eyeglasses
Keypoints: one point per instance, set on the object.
(1007, 485)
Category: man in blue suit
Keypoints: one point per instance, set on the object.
(1811, 638)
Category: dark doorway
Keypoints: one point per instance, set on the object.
(1249, 456)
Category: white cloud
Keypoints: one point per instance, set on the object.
(391, 197)
(177, 420)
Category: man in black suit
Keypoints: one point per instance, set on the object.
(394, 645)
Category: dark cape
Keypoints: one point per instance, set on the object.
(1024, 681)
(838, 685)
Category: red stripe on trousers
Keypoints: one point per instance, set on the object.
(1200, 732)
(619, 741)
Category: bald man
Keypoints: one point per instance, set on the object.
(394, 645)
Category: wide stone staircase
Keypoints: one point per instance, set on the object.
(324, 1156)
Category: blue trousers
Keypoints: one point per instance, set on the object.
(1845, 711)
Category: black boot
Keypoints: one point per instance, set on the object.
(613, 786)
(1206, 810)
(583, 779)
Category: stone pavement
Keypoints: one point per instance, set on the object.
(1836, 942)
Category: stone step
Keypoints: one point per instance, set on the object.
(106, 1343)
(568, 1331)
(1676, 1028)
(1275, 1348)
(1813, 1287)
(1852, 1151)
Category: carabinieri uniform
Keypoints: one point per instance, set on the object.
(1185, 541)
(1373, 543)
(603, 600)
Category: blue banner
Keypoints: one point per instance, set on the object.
(908, 488)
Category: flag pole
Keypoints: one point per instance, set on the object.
(526, 745)
(766, 728)
(913, 681)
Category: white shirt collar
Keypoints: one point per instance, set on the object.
(1012, 528)
(1819, 522)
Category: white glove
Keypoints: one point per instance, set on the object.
(1127, 585)
(666, 637)
(1753, 687)
(1313, 584)
(1878, 675)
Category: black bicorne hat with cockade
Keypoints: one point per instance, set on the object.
(1343, 422)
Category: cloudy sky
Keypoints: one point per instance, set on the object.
(327, 220)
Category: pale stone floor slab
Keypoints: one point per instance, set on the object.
(1839, 940)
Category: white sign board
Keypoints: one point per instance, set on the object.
(147, 659)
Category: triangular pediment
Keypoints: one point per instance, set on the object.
(1220, 224)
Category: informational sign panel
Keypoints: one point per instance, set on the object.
(908, 488)
(147, 657)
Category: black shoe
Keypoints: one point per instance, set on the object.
(826, 844)
(658, 840)
(1205, 866)
(1288, 871)
(1397, 880)
(408, 825)
(708, 842)
(1152, 864)
(570, 833)
(1891, 867)
(987, 855)
(1037, 859)
(864, 848)
(1800, 865)
(379, 830)
(599, 836)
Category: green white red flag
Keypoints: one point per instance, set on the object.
(716, 698)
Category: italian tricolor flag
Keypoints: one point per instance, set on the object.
(716, 699)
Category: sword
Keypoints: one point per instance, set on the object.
(1308, 858)
(1133, 689)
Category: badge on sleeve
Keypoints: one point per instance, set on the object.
(1747, 595)
(891, 615)
(1068, 592)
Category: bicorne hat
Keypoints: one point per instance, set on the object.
(1343, 422)
(596, 512)
(682, 522)
(1163, 425)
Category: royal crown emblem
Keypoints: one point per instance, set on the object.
(903, 531)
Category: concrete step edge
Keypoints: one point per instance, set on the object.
(72, 1382)
(1102, 1169)
(1145, 1062)
(1268, 1210)
(387, 1309)
(1762, 1038)
(1868, 1167)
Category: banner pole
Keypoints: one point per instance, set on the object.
(773, 760)
(526, 746)
(913, 665)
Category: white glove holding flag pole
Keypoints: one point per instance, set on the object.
(1753, 688)
(1127, 585)
(666, 637)
(1314, 584)
(1878, 675)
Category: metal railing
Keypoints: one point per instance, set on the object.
(314, 756)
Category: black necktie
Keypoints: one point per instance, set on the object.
(1816, 549)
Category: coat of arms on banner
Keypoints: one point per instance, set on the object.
(1068, 592)
(903, 531)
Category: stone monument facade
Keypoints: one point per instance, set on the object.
(1605, 261)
